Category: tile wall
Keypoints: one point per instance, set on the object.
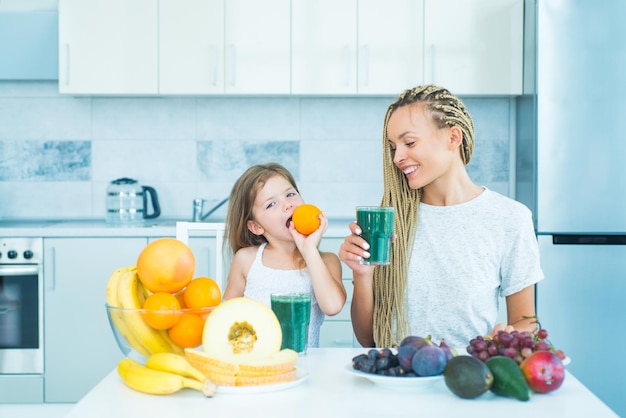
(58, 153)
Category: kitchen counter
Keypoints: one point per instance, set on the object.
(99, 228)
(332, 391)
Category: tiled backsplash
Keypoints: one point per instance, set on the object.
(58, 153)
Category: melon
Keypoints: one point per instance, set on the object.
(241, 330)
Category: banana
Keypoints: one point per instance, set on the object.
(118, 316)
(128, 295)
(156, 382)
(174, 363)
(175, 348)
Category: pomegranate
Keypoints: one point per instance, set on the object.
(543, 371)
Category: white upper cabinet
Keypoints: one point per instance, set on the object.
(474, 46)
(337, 47)
(191, 46)
(257, 39)
(324, 46)
(391, 46)
(108, 46)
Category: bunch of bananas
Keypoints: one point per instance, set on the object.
(125, 290)
(164, 373)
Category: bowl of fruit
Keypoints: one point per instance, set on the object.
(157, 305)
(416, 362)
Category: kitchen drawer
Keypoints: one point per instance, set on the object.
(337, 334)
(21, 389)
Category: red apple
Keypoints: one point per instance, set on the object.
(544, 371)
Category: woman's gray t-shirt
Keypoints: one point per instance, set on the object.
(465, 257)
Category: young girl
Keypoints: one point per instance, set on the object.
(270, 256)
(459, 246)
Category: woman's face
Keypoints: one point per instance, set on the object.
(421, 150)
(274, 206)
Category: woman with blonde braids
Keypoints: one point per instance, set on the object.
(459, 246)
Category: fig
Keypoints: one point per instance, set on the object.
(413, 341)
(449, 351)
(543, 371)
(429, 360)
(405, 357)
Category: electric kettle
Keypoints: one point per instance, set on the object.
(129, 202)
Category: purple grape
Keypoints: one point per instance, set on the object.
(510, 352)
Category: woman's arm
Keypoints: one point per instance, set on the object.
(353, 249)
(362, 309)
(520, 308)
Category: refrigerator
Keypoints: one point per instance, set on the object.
(581, 187)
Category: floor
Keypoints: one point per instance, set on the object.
(50, 410)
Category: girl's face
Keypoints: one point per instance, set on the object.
(273, 207)
(421, 150)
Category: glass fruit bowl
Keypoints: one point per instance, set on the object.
(141, 332)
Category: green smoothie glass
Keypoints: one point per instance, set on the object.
(376, 223)
(293, 311)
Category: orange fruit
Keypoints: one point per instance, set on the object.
(166, 265)
(202, 292)
(187, 333)
(306, 218)
(159, 308)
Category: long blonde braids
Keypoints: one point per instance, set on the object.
(390, 300)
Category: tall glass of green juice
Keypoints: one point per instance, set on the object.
(293, 311)
(376, 223)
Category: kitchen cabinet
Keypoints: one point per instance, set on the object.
(474, 46)
(356, 46)
(324, 42)
(191, 46)
(390, 45)
(174, 47)
(257, 41)
(108, 47)
(29, 45)
(79, 347)
(336, 330)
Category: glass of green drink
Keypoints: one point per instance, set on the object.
(376, 223)
(293, 311)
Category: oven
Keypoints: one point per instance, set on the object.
(21, 306)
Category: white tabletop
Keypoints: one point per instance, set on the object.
(330, 390)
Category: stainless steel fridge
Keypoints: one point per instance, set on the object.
(581, 187)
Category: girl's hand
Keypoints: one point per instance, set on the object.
(354, 249)
(311, 241)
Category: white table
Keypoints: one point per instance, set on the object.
(332, 391)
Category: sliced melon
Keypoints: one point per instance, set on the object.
(241, 330)
(277, 368)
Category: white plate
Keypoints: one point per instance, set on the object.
(301, 376)
(396, 382)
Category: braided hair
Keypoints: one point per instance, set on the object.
(390, 312)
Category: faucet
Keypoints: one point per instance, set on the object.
(198, 207)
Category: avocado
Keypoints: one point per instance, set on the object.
(508, 379)
(467, 377)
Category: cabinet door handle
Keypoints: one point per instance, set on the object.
(346, 51)
(213, 48)
(66, 62)
(233, 61)
(51, 269)
(432, 63)
(366, 65)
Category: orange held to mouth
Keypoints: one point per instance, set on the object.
(306, 218)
